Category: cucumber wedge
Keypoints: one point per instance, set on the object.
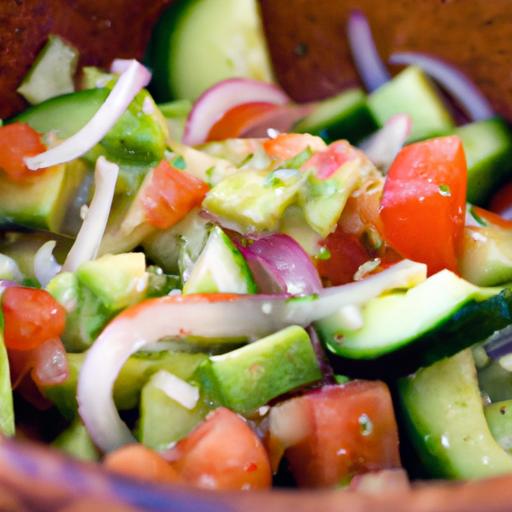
(444, 417)
(200, 42)
(220, 268)
(406, 330)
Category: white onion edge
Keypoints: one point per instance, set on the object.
(45, 265)
(175, 388)
(88, 240)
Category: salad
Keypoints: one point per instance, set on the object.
(204, 283)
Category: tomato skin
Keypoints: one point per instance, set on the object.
(352, 431)
(238, 119)
(222, 453)
(288, 145)
(424, 200)
(17, 141)
(170, 195)
(31, 317)
(347, 254)
(501, 202)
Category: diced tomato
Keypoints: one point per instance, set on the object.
(139, 462)
(424, 200)
(327, 162)
(501, 202)
(238, 119)
(170, 194)
(17, 141)
(346, 254)
(223, 453)
(492, 218)
(31, 317)
(287, 145)
(351, 429)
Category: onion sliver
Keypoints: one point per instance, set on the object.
(220, 98)
(131, 81)
(216, 316)
(463, 90)
(177, 389)
(372, 71)
(89, 237)
(383, 146)
(45, 265)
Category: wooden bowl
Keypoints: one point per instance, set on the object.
(476, 35)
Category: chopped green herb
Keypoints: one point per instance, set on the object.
(341, 379)
(179, 163)
(366, 425)
(445, 191)
(298, 160)
(324, 253)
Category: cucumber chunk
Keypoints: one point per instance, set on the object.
(499, 419)
(197, 43)
(251, 376)
(52, 72)
(435, 319)
(7, 427)
(76, 442)
(344, 116)
(444, 417)
(220, 268)
(411, 92)
(488, 148)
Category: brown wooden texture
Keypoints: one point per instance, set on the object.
(308, 44)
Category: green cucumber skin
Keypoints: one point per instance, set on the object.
(463, 447)
(472, 323)
(7, 427)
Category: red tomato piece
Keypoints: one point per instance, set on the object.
(31, 317)
(288, 145)
(327, 162)
(17, 141)
(424, 201)
(170, 194)
(501, 202)
(352, 430)
(238, 119)
(347, 254)
(222, 453)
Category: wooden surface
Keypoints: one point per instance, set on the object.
(307, 40)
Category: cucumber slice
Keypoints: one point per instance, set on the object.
(488, 148)
(52, 72)
(444, 417)
(197, 43)
(486, 255)
(405, 330)
(7, 427)
(499, 419)
(64, 115)
(251, 376)
(345, 116)
(220, 268)
(163, 421)
(76, 442)
(411, 92)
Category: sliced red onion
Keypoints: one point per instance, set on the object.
(220, 317)
(463, 90)
(45, 264)
(132, 80)
(5, 283)
(119, 66)
(50, 364)
(89, 237)
(321, 356)
(10, 268)
(280, 265)
(220, 98)
(500, 343)
(175, 388)
(382, 147)
(283, 119)
(372, 70)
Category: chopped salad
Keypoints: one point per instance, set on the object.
(233, 291)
